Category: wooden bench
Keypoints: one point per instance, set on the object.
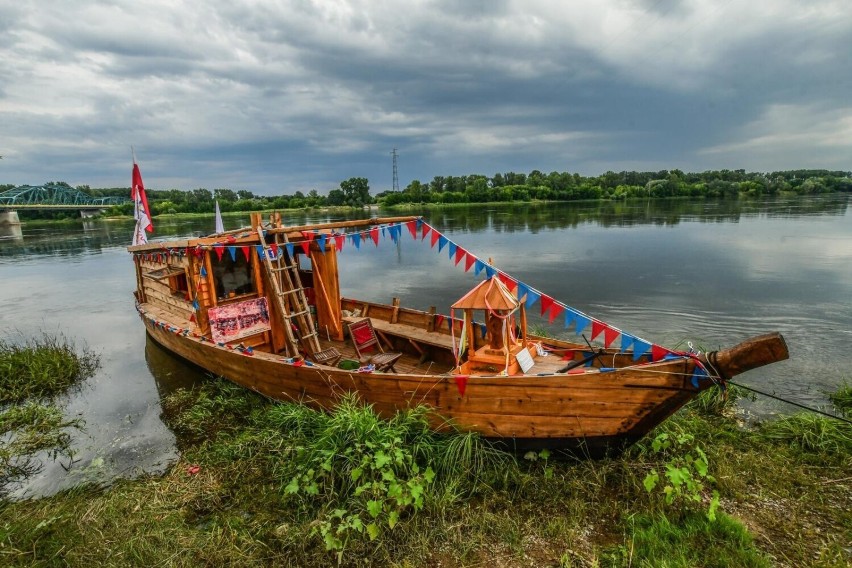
(415, 335)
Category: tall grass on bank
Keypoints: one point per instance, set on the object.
(42, 367)
(32, 373)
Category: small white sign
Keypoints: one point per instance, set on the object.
(525, 360)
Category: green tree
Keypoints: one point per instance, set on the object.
(356, 191)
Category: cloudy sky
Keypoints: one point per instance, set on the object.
(286, 95)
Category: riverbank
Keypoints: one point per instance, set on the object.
(261, 483)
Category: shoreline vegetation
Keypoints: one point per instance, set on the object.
(34, 373)
(266, 483)
(508, 187)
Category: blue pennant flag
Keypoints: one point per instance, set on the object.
(356, 240)
(581, 321)
(419, 224)
(290, 249)
(383, 232)
(478, 265)
(626, 341)
(204, 272)
(195, 304)
(697, 375)
(570, 316)
(233, 252)
(484, 330)
(523, 290)
(640, 347)
(442, 242)
(321, 242)
(452, 249)
(589, 356)
(490, 271)
(259, 249)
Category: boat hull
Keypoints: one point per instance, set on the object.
(594, 411)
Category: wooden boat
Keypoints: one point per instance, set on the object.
(262, 307)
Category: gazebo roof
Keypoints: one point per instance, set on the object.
(489, 294)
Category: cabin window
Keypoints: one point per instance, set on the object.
(179, 286)
(233, 277)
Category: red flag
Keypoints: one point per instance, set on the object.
(461, 383)
(460, 252)
(374, 233)
(424, 231)
(141, 212)
(597, 328)
(658, 352)
(434, 239)
(468, 262)
(412, 228)
(609, 335)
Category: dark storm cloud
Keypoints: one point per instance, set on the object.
(281, 96)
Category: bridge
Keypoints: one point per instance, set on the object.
(51, 196)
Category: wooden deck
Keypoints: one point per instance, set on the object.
(407, 363)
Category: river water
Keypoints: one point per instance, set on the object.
(713, 273)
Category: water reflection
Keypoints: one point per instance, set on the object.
(171, 373)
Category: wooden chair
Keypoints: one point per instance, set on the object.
(329, 356)
(364, 339)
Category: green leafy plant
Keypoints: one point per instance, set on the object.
(685, 472)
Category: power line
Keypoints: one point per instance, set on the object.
(395, 172)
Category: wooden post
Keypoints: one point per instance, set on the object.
(430, 323)
(395, 313)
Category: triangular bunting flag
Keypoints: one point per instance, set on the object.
(461, 383)
(658, 352)
(597, 328)
(610, 333)
(233, 252)
(555, 310)
(508, 281)
(321, 242)
(412, 228)
(306, 246)
(640, 347)
(339, 240)
(478, 265)
(523, 290)
(483, 330)
(460, 254)
(356, 240)
(436, 236)
(442, 242)
(581, 321)
(439, 320)
(532, 297)
(490, 271)
(452, 249)
(260, 253)
(220, 250)
(468, 262)
(626, 342)
(289, 247)
(546, 302)
(424, 230)
(204, 272)
(698, 374)
(374, 233)
(309, 235)
(246, 252)
(274, 248)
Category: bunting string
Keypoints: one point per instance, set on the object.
(550, 307)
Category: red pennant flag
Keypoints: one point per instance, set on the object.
(188, 251)
(597, 328)
(374, 233)
(546, 302)
(460, 252)
(461, 383)
(658, 352)
(232, 239)
(246, 253)
(141, 211)
(424, 231)
(306, 246)
(412, 228)
(555, 310)
(192, 317)
(309, 235)
(439, 320)
(274, 248)
(435, 236)
(468, 262)
(339, 240)
(508, 281)
(220, 250)
(610, 334)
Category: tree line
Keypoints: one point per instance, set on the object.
(500, 187)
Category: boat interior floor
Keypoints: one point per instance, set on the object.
(407, 364)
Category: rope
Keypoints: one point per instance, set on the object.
(808, 408)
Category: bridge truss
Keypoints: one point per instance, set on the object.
(54, 196)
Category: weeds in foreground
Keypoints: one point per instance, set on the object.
(842, 399)
(42, 367)
(811, 433)
(32, 373)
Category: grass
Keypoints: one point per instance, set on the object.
(41, 367)
(274, 481)
(32, 374)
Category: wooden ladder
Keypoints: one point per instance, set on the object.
(290, 296)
